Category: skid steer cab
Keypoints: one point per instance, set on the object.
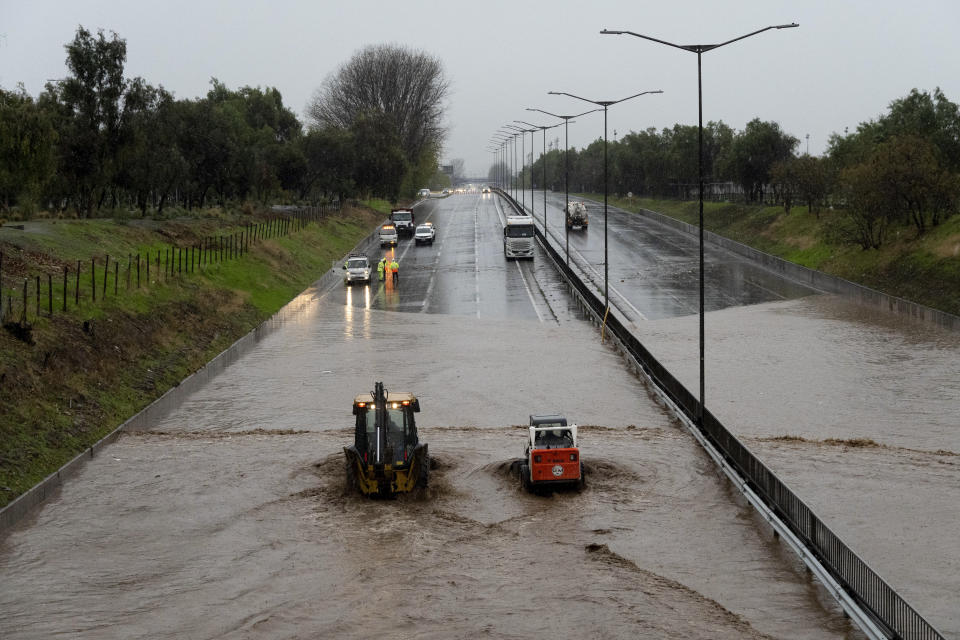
(387, 456)
(551, 457)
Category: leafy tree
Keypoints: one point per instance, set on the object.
(330, 155)
(918, 188)
(754, 152)
(27, 139)
(391, 85)
(868, 209)
(380, 161)
(90, 99)
(785, 180)
(814, 181)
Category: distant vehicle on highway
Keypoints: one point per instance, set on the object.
(403, 220)
(425, 233)
(486, 190)
(356, 269)
(423, 193)
(388, 235)
(518, 237)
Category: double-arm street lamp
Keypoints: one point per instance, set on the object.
(700, 49)
(500, 140)
(604, 104)
(523, 161)
(513, 156)
(543, 157)
(566, 171)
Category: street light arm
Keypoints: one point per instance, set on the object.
(564, 93)
(642, 93)
(698, 48)
(562, 117)
(753, 33)
(539, 126)
(609, 32)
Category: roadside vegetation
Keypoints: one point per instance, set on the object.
(98, 144)
(87, 370)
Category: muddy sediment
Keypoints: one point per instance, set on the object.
(235, 522)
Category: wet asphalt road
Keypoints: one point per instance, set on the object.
(231, 521)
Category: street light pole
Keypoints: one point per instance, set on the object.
(566, 170)
(605, 104)
(700, 49)
(523, 159)
(546, 238)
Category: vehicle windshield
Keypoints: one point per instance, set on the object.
(520, 231)
(395, 431)
(402, 215)
(357, 263)
(555, 438)
(423, 229)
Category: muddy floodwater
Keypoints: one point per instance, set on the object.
(859, 412)
(230, 519)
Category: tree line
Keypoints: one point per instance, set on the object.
(96, 141)
(902, 168)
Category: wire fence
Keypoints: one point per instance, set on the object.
(26, 298)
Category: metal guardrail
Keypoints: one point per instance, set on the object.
(864, 585)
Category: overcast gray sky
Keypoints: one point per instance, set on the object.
(844, 64)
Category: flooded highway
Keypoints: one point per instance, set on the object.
(230, 519)
(857, 410)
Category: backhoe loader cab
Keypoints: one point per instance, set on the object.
(387, 456)
(552, 455)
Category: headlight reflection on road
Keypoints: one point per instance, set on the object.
(349, 314)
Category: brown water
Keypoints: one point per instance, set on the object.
(231, 520)
(822, 369)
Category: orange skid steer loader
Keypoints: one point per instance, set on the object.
(551, 455)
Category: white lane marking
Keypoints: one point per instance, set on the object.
(476, 257)
(597, 274)
(529, 293)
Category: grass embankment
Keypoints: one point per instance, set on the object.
(91, 368)
(924, 269)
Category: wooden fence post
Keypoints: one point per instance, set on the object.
(93, 279)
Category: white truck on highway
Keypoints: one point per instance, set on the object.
(518, 236)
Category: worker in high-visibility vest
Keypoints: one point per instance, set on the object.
(380, 268)
(395, 270)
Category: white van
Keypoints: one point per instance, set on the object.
(423, 193)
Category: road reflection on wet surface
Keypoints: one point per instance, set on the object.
(230, 518)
